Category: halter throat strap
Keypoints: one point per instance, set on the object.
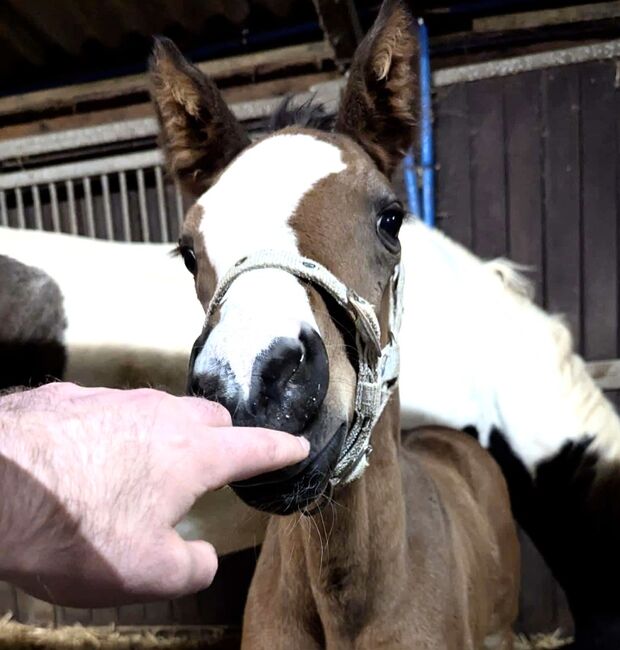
(378, 368)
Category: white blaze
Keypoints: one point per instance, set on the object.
(247, 210)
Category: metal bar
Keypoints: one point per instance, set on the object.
(90, 213)
(75, 170)
(178, 195)
(55, 210)
(161, 203)
(122, 177)
(36, 202)
(21, 218)
(527, 62)
(4, 214)
(144, 217)
(107, 207)
(91, 136)
(73, 225)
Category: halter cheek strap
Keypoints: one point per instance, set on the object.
(378, 368)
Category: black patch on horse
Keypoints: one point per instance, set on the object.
(32, 325)
(573, 521)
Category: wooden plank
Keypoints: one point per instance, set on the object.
(33, 611)
(8, 599)
(186, 610)
(453, 173)
(488, 174)
(546, 17)
(340, 22)
(131, 614)
(73, 615)
(158, 613)
(20, 35)
(606, 373)
(562, 183)
(599, 206)
(524, 174)
(257, 63)
(234, 94)
(104, 616)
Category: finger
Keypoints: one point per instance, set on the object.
(211, 414)
(237, 453)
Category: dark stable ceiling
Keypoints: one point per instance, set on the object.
(46, 43)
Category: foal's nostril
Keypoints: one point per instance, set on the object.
(285, 357)
(289, 382)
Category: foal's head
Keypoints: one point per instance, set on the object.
(278, 353)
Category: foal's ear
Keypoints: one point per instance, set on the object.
(378, 105)
(199, 133)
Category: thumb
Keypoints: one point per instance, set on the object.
(237, 453)
(196, 566)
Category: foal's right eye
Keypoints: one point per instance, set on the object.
(189, 257)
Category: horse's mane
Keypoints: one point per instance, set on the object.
(512, 275)
(310, 114)
(589, 400)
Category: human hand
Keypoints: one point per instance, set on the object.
(94, 480)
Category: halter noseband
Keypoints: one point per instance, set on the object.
(378, 368)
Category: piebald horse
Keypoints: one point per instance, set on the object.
(293, 245)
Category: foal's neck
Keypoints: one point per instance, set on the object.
(350, 544)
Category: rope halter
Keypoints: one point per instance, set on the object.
(378, 368)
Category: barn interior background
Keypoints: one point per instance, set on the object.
(526, 108)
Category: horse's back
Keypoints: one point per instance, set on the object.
(482, 535)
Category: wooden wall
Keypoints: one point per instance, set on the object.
(528, 169)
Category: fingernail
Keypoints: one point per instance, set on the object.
(305, 443)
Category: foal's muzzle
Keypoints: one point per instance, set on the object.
(288, 386)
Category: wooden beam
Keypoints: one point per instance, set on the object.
(606, 373)
(247, 64)
(20, 36)
(341, 25)
(234, 94)
(547, 17)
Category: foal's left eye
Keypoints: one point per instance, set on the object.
(189, 257)
(388, 226)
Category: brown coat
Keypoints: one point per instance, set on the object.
(421, 553)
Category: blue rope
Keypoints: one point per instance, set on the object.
(411, 184)
(427, 157)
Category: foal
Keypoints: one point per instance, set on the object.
(420, 551)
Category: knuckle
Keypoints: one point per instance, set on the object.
(272, 450)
